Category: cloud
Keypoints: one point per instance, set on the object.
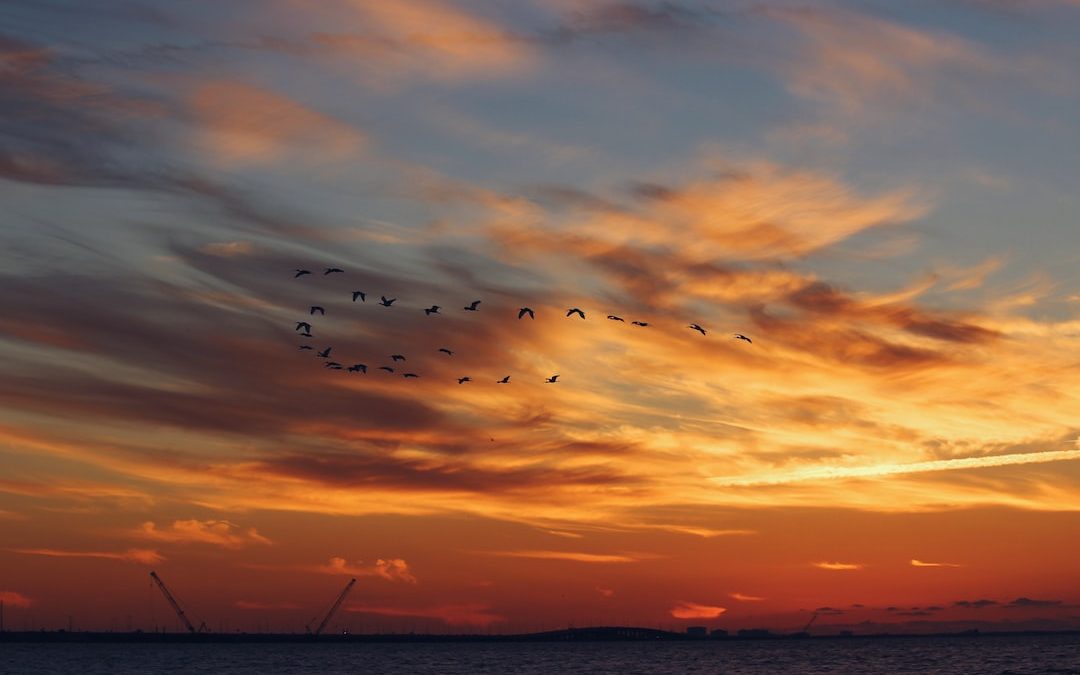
(135, 555)
(217, 532)
(742, 597)
(693, 610)
(605, 592)
(573, 556)
(920, 563)
(838, 566)
(1029, 602)
(975, 604)
(391, 569)
(13, 599)
(227, 249)
(469, 614)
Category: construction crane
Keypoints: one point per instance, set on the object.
(333, 609)
(810, 622)
(176, 606)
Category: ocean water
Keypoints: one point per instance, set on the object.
(1006, 655)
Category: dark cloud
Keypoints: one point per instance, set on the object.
(1029, 602)
(619, 18)
(975, 604)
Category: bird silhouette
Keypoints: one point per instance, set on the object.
(616, 318)
(332, 364)
(300, 273)
(525, 310)
(434, 309)
(306, 347)
(640, 323)
(551, 380)
(358, 368)
(575, 310)
(740, 336)
(410, 375)
(505, 380)
(324, 354)
(384, 302)
(472, 306)
(307, 334)
(463, 380)
(386, 368)
(397, 357)
(331, 270)
(359, 294)
(316, 308)
(446, 351)
(303, 325)
(697, 328)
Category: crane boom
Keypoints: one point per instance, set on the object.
(335, 606)
(175, 605)
(810, 622)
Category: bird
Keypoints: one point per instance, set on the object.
(303, 325)
(463, 380)
(332, 364)
(410, 375)
(472, 306)
(740, 336)
(525, 310)
(505, 380)
(446, 351)
(386, 368)
(331, 270)
(697, 328)
(358, 368)
(306, 347)
(397, 357)
(551, 380)
(300, 273)
(359, 294)
(324, 354)
(316, 308)
(434, 309)
(384, 302)
(308, 334)
(640, 323)
(575, 310)
(616, 318)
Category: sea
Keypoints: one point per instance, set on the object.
(999, 655)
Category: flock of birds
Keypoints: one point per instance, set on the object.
(303, 329)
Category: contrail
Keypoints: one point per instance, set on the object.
(834, 472)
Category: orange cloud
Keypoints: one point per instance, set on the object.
(920, 563)
(393, 569)
(742, 597)
(137, 555)
(14, 599)
(241, 124)
(228, 249)
(840, 566)
(217, 532)
(693, 610)
(452, 615)
(573, 556)
(606, 592)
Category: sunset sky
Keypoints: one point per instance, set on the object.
(881, 195)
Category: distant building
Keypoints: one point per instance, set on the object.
(719, 633)
(755, 633)
(697, 631)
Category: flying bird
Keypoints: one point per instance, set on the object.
(434, 309)
(306, 347)
(525, 310)
(740, 336)
(640, 323)
(463, 380)
(397, 357)
(332, 364)
(386, 368)
(308, 334)
(446, 351)
(359, 294)
(472, 306)
(331, 270)
(316, 308)
(300, 273)
(384, 302)
(697, 328)
(575, 310)
(551, 380)
(358, 368)
(324, 354)
(410, 375)
(303, 325)
(616, 318)
(505, 380)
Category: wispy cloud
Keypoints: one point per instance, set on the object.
(921, 563)
(838, 566)
(391, 569)
(573, 556)
(693, 610)
(14, 599)
(136, 555)
(216, 532)
(469, 614)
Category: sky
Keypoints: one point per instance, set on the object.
(881, 196)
